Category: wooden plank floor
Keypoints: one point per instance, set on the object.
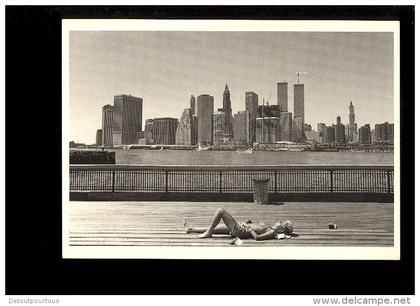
(161, 223)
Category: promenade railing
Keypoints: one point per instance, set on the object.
(231, 179)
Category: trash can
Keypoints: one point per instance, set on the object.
(260, 187)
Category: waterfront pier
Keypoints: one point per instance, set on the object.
(161, 223)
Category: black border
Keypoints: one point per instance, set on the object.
(33, 176)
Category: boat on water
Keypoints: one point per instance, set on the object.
(202, 148)
(247, 151)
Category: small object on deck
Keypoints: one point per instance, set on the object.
(236, 241)
(332, 226)
(280, 236)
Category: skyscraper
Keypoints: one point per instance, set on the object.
(299, 112)
(107, 125)
(268, 111)
(241, 127)
(186, 132)
(297, 129)
(227, 109)
(282, 97)
(329, 135)
(299, 101)
(220, 134)
(384, 132)
(148, 131)
(365, 136)
(127, 119)
(205, 109)
(192, 105)
(251, 105)
(339, 132)
(164, 130)
(99, 138)
(352, 126)
(285, 126)
(268, 129)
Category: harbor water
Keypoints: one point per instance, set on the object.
(190, 157)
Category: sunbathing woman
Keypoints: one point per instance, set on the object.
(240, 229)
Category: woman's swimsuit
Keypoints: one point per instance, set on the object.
(243, 230)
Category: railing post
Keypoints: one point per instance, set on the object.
(331, 181)
(220, 181)
(388, 179)
(166, 180)
(275, 181)
(113, 180)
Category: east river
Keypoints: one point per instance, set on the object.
(190, 157)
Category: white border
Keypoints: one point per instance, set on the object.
(173, 252)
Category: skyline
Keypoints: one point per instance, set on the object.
(165, 68)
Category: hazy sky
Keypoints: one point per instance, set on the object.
(165, 68)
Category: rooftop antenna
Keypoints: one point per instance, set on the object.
(299, 73)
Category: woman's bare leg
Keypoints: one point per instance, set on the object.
(219, 229)
(221, 214)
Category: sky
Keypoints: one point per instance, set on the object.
(165, 68)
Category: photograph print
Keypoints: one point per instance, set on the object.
(231, 139)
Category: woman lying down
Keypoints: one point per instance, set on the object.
(242, 230)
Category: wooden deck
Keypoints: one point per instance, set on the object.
(161, 223)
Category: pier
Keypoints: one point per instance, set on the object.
(161, 223)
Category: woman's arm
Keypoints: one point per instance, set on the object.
(266, 236)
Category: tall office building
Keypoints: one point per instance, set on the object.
(352, 124)
(282, 96)
(384, 133)
(251, 105)
(299, 101)
(107, 125)
(205, 109)
(391, 133)
(339, 132)
(127, 119)
(313, 136)
(365, 136)
(148, 131)
(268, 111)
(99, 138)
(186, 132)
(164, 130)
(322, 130)
(227, 109)
(220, 133)
(241, 127)
(299, 113)
(192, 105)
(329, 135)
(268, 130)
(297, 129)
(285, 126)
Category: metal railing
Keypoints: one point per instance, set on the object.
(231, 179)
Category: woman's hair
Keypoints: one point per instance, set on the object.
(289, 226)
(286, 227)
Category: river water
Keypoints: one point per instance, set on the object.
(190, 157)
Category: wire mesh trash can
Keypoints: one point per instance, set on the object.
(260, 187)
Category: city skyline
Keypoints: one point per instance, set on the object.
(99, 70)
